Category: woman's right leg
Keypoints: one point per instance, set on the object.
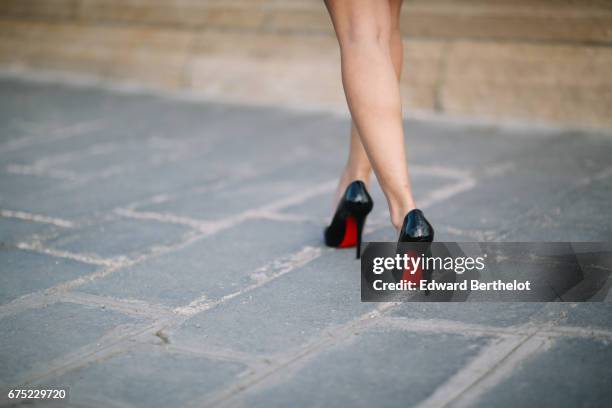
(364, 29)
(358, 166)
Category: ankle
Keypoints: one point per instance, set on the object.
(398, 213)
(350, 174)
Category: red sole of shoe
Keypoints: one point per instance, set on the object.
(413, 276)
(350, 234)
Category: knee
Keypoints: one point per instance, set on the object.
(359, 35)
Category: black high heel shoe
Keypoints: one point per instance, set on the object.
(347, 225)
(416, 228)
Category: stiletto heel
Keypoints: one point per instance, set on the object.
(427, 272)
(347, 225)
(359, 232)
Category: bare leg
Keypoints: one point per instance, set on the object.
(368, 33)
(358, 165)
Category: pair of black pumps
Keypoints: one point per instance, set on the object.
(347, 225)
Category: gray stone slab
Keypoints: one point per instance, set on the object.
(36, 107)
(285, 313)
(80, 200)
(171, 132)
(147, 378)
(472, 147)
(574, 154)
(539, 180)
(379, 368)
(597, 315)
(488, 314)
(13, 230)
(44, 140)
(511, 195)
(579, 214)
(31, 339)
(195, 130)
(11, 128)
(263, 188)
(16, 189)
(212, 267)
(139, 180)
(119, 237)
(28, 103)
(571, 373)
(24, 272)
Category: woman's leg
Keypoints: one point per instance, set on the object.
(358, 165)
(370, 43)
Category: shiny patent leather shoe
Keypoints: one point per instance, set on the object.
(347, 225)
(416, 228)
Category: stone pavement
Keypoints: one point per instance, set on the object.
(160, 252)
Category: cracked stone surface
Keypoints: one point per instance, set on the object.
(164, 252)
